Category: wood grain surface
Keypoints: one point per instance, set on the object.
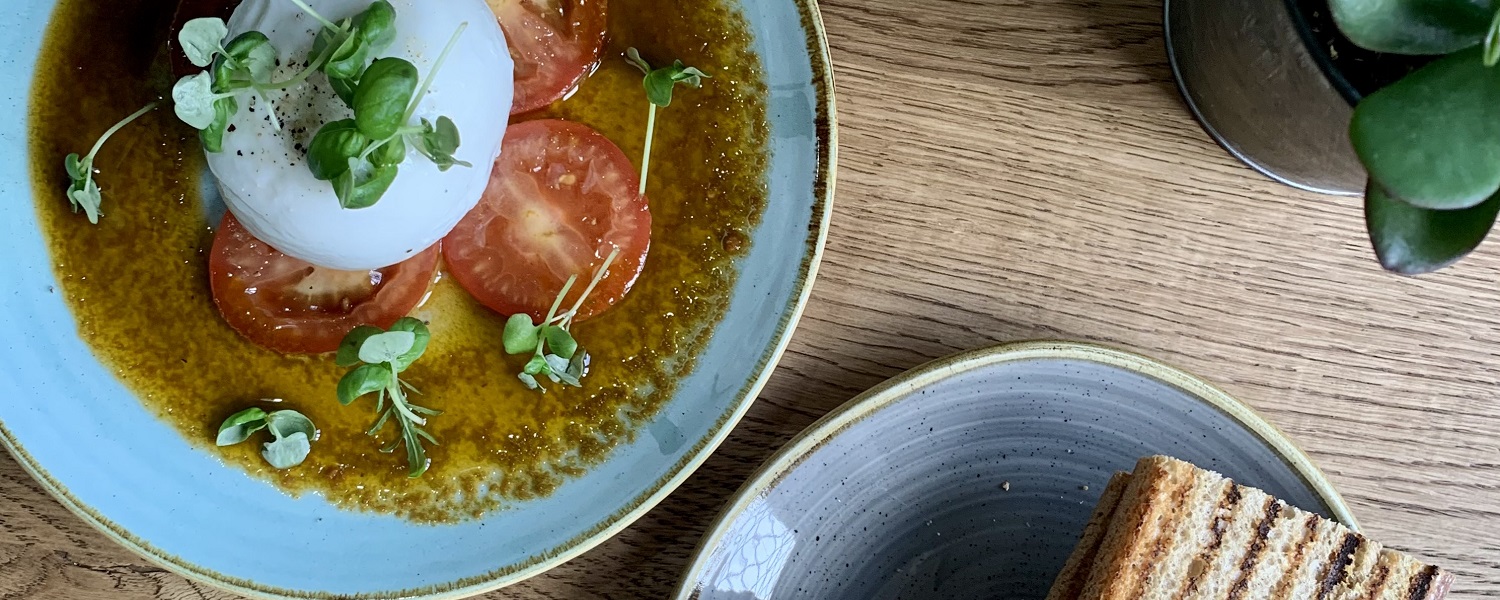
(1016, 169)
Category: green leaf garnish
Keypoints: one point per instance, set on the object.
(359, 157)
(385, 89)
(420, 337)
(386, 347)
(381, 357)
(555, 354)
(439, 142)
(248, 59)
(83, 193)
(238, 427)
(193, 100)
(293, 433)
(332, 147)
(364, 379)
(363, 184)
(560, 341)
(201, 38)
(659, 84)
(348, 354)
(520, 336)
(283, 423)
(287, 452)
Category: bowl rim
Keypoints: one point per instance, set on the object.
(826, 124)
(903, 385)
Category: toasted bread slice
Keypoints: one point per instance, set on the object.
(1179, 532)
(1076, 571)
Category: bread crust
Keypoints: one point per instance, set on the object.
(1075, 572)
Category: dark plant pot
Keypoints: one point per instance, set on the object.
(1275, 84)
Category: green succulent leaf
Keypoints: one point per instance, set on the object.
(1418, 27)
(1432, 139)
(1411, 240)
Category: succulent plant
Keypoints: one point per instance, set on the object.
(1430, 141)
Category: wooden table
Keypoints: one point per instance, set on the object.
(1013, 169)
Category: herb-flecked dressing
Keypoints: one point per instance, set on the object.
(138, 287)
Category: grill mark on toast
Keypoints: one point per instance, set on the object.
(1257, 545)
(1338, 565)
(1163, 536)
(1227, 505)
(1377, 583)
(1289, 577)
(1422, 584)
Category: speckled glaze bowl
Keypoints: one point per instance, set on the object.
(973, 476)
(81, 434)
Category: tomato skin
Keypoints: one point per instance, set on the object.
(555, 45)
(285, 304)
(561, 197)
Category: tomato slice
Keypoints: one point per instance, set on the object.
(560, 199)
(288, 305)
(554, 44)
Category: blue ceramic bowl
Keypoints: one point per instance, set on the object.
(80, 432)
(973, 476)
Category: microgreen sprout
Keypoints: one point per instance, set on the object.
(659, 84)
(207, 100)
(293, 433)
(554, 353)
(360, 157)
(83, 192)
(378, 357)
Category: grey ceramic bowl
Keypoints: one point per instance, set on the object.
(973, 476)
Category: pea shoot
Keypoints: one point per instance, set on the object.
(359, 157)
(83, 192)
(659, 84)
(554, 353)
(378, 357)
(293, 433)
